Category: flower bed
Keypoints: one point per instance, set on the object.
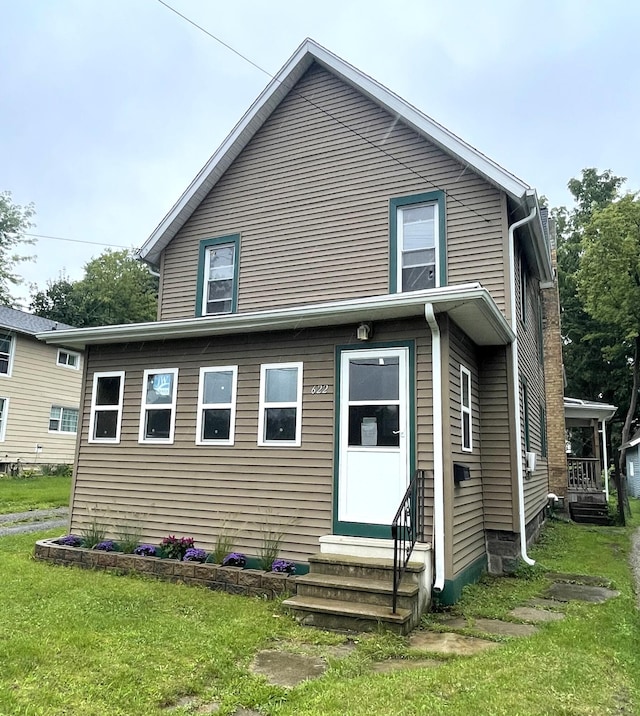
(232, 579)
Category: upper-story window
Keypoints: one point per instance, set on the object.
(6, 353)
(69, 359)
(417, 250)
(218, 275)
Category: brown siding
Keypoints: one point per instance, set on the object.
(309, 196)
(468, 521)
(496, 426)
(536, 486)
(193, 489)
(36, 384)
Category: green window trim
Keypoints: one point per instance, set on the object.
(437, 197)
(202, 255)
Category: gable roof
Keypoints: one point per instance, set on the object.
(309, 52)
(27, 323)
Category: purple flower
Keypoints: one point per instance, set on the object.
(70, 541)
(234, 559)
(194, 555)
(145, 550)
(283, 565)
(107, 546)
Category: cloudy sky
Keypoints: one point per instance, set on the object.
(108, 108)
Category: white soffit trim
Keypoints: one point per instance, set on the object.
(470, 305)
(575, 408)
(269, 99)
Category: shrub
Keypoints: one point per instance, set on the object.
(70, 541)
(107, 546)
(173, 547)
(93, 534)
(128, 538)
(145, 550)
(234, 559)
(283, 565)
(195, 555)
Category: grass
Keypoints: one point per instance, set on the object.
(91, 643)
(21, 494)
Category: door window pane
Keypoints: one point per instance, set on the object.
(374, 379)
(374, 425)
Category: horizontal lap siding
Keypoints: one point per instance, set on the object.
(35, 385)
(495, 428)
(536, 487)
(310, 199)
(468, 522)
(196, 489)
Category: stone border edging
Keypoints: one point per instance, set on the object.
(234, 580)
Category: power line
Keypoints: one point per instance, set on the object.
(76, 241)
(328, 114)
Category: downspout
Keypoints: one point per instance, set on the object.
(438, 466)
(516, 382)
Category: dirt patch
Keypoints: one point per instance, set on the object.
(448, 643)
(283, 668)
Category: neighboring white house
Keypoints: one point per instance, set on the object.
(39, 393)
(633, 465)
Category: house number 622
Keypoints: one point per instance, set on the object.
(316, 389)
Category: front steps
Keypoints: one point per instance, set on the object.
(356, 593)
(589, 508)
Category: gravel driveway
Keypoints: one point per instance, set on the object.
(33, 521)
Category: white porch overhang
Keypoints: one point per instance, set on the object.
(469, 305)
(581, 412)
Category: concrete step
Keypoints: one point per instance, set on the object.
(589, 513)
(361, 567)
(341, 615)
(357, 589)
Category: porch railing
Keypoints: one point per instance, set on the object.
(406, 529)
(584, 474)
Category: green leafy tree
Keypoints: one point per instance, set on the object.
(116, 288)
(608, 282)
(14, 222)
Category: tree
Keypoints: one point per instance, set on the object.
(608, 282)
(14, 222)
(116, 288)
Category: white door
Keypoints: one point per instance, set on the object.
(373, 469)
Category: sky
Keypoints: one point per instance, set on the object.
(109, 108)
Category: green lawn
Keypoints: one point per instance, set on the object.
(21, 494)
(91, 643)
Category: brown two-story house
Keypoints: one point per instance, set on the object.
(349, 294)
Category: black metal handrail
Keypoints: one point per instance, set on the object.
(406, 529)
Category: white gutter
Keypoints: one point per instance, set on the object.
(516, 381)
(438, 463)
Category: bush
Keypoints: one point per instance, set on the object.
(173, 547)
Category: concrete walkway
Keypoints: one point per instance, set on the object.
(33, 521)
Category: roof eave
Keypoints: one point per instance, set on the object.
(470, 305)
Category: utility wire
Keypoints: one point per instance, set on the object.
(76, 241)
(328, 114)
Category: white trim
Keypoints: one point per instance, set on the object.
(12, 351)
(271, 97)
(68, 354)
(171, 406)
(4, 416)
(297, 404)
(60, 431)
(400, 241)
(465, 373)
(106, 408)
(470, 305)
(230, 405)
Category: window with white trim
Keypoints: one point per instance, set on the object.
(417, 236)
(280, 417)
(106, 407)
(217, 405)
(4, 411)
(63, 420)
(158, 409)
(68, 359)
(6, 352)
(466, 425)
